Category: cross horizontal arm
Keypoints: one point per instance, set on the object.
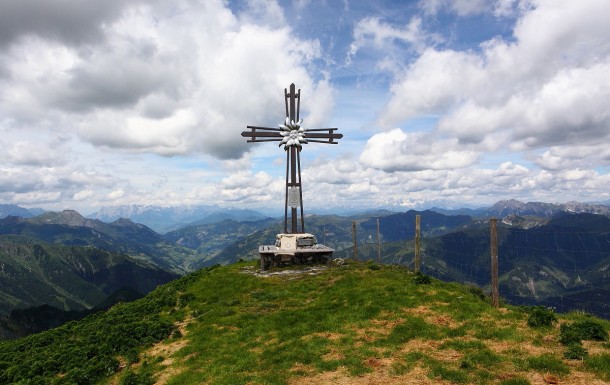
(321, 129)
(264, 128)
(250, 134)
(321, 141)
(322, 136)
(266, 140)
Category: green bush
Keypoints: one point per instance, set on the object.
(422, 279)
(569, 335)
(591, 331)
(478, 292)
(582, 330)
(132, 378)
(541, 316)
(575, 352)
(373, 266)
(84, 352)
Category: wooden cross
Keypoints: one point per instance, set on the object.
(292, 136)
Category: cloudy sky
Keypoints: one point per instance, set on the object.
(461, 102)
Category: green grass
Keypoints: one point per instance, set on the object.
(600, 365)
(545, 363)
(244, 329)
(515, 381)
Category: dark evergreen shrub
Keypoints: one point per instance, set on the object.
(575, 352)
(591, 330)
(569, 335)
(478, 292)
(422, 279)
(582, 330)
(541, 316)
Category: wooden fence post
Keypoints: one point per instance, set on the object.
(354, 238)
(378, 243)
(495, 290)
(417, 243)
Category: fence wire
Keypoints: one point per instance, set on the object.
(565, 270)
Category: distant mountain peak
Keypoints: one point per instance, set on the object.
(505, 208)
(17, 211)
(65, 217)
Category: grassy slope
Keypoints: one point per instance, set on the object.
(354, 324)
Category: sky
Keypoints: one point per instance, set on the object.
(441, 102)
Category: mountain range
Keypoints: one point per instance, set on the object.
(38, 253)
(165, 219)
(121, 236)
(540, 209)
(69, 278)
(18, 211)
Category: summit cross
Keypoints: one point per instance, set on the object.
(292, 136)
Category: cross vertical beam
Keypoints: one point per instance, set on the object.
(294, 161)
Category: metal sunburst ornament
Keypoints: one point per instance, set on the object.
(293, 133)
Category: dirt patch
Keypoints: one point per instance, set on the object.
(578, 378)
(167, 350)
(417, 376)
(432, 316)
(504, 347)
(329, 336)
(432, 349)
(420, 345)
(595, 347)
(384, 326)
(333, 355)
(302, 369)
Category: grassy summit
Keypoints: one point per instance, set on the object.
(351, 324)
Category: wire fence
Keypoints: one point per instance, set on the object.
(554, 267)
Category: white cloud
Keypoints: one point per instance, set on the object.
(433, 84)
(152, 85)
(144, 102)
(507, 8)
(115, 194)
(263, 12)
(69, 21)
(396, 150)
(28, 153)
(549, 87)
(373, 32)
(83, 195)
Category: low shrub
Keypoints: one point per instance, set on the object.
(478, 292)
(569, 335)
(582, 330)
(373, 266)
(422, 279)
(541, 316)
(575, 352)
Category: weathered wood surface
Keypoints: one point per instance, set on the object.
(272, 249)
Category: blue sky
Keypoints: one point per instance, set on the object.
(441, 102)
